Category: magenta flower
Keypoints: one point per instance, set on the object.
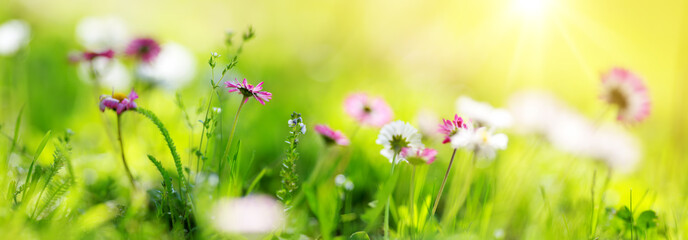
(89, 56)
(145, 49)
(368, 111)
(417, 156)
(248, 90)
(627, 91)
(449, 127)
(331, 136)
(118, 102)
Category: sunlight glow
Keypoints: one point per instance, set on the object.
(530, 8)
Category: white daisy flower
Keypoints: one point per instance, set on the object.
(427, 123)
(253, 215)
(397, 135)
(535, 111)
(482, 142)
(112, 74)
(174, 67)
(483, 114)
(102, 33)
(14, 34)
(616, 148)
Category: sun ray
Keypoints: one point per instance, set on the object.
(589, 72)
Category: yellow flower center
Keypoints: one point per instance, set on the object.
(616, 96)
(119, 96)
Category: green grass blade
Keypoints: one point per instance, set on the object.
(39, 150)
(170, 144)
(17, 124)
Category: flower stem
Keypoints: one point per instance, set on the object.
(444, 181)
(411, 188)
(391, 174)
(121, 146)
(231, 133)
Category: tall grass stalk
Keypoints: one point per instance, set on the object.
(121, 148)
(231, 134)
(391, 174)
(444, 181)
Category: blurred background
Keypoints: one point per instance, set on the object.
(417, 55)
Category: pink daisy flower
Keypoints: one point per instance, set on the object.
(417, 156)
(118, 102)
(368, 111)
(89, 56)
(627, 91)
(144, 48)
(331, 136)
(248, 90)
(451, 127)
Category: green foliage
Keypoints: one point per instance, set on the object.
(359, 236)
(56, 189)
(288, 173)
(170, 144)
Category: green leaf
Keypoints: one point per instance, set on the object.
(39, 150)
(624, 214)
(359, 236)
(17, 124)
(647, 220)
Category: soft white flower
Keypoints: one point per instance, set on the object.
(397, 135)
(217, 110)
(427, 123)
(615, 147)
(535, 111)
(14, 34)
(102, 33)
(483, 114)
(112, 74)
(250, 215)
(572, 132)
(339, 180)
(349, 185)
(174, 67)
(463, 137)
(486, 143)
(481, 141)
(303, 128)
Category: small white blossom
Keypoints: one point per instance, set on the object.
(253, 215)
(483, 114)
(102, 33)
(339, 180)
(174, 67)
(14, 35)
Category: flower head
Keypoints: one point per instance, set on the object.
(395, 136)
(342, 181)
(296, 120)
(417, 156)
(144, 48)
(450, 127)
(250, 215)
(628, 93)
(331, 136)
(368, 111)
(89, 56)
(173, 67)
(427, 124)
(483, 114)
(118, 102)
(100, 33)
(14, 35)
(248, 90)
(482, 142)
